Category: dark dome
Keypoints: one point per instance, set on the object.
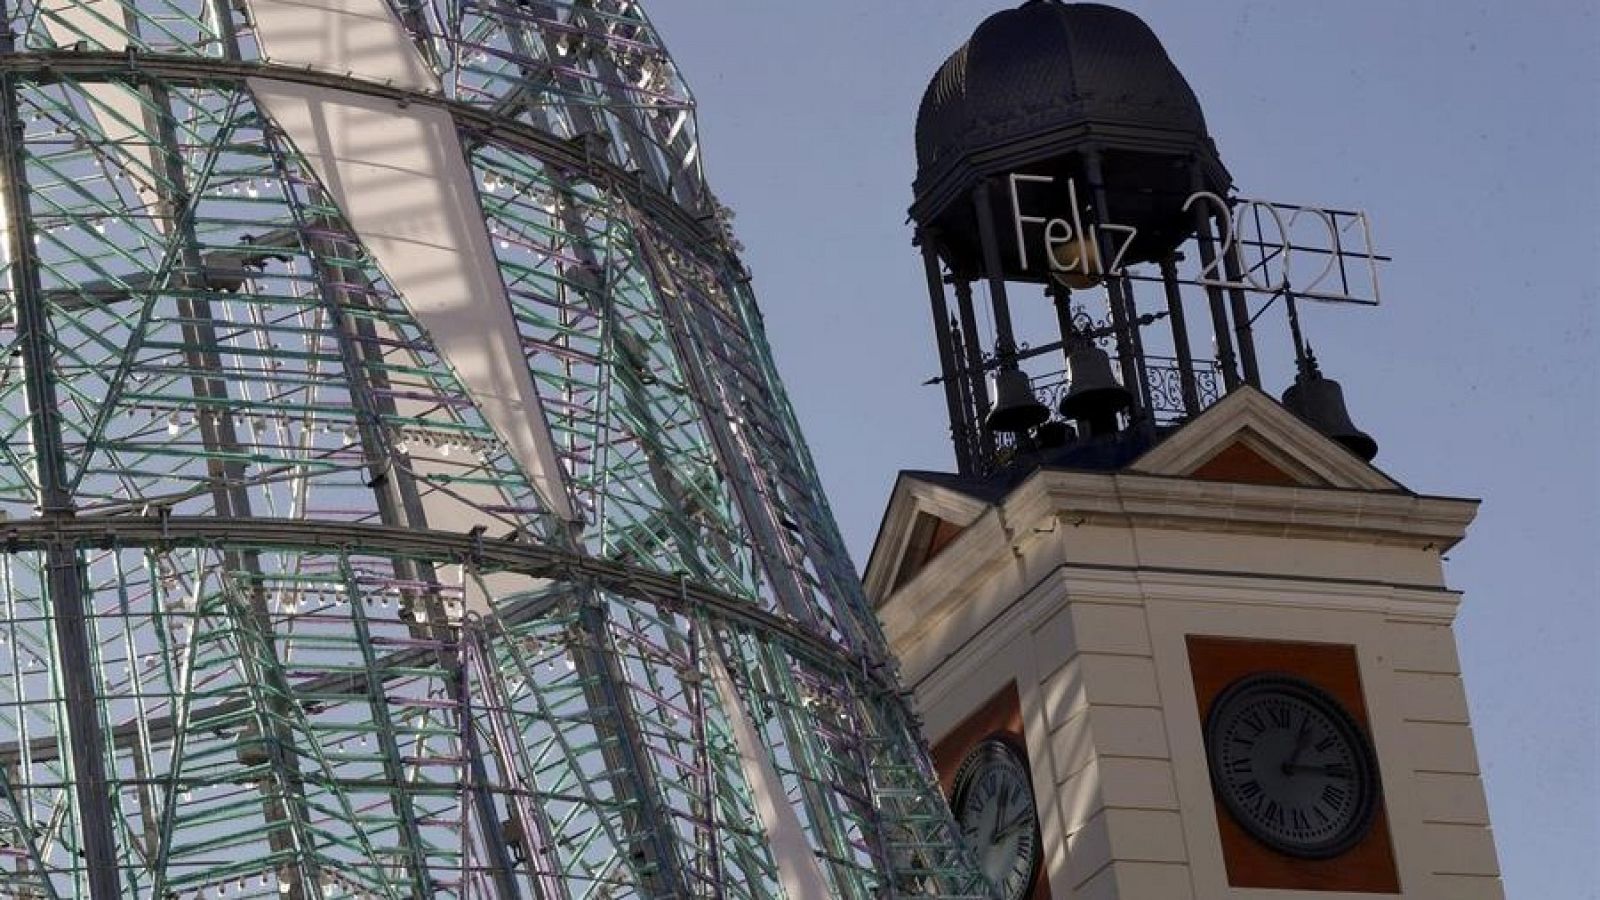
(1046, 65)
(1053, 90)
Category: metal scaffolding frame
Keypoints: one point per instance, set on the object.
(284, 609)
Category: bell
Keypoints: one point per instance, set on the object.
(1320, 402)
(1095, 397)
(1015, 408)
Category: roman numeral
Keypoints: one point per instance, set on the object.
(1240, 767)
(1280, 717)
(1300, 821)
(1324, 745)
(1333, 795)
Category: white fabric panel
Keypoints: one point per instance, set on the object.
(100, 23)
(361, 38)
(458, 510)
(798, 871)
(402, 182)
(103, 25)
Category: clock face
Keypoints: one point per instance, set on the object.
(993, 804)
(1291, 766)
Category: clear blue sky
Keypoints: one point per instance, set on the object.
(1468, 130)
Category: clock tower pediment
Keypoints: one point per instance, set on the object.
(1249, 437)
(927, 512)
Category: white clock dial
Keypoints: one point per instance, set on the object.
(993, 804)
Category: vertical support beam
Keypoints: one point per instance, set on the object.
(630, 768)
(532, 829)
(1129, 356)
(477, 777)
(64, 577)
(605, 691)
(717, 412)
(1061, 298)
(394, 489)
(1244, 334)
(214, 418)
(1005, 343)
(269, 689)
(1123, 287)
(758, 507)
(959, 422)
(973, 357)
(219, 436)
(1219, 313)
(1180, 337)
(411, 853)
(694, 697)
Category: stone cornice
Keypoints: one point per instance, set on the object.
(1153, 501)
(1005, 551)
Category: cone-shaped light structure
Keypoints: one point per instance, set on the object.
(401, 499)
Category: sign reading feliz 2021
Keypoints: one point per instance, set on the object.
(1317, 253)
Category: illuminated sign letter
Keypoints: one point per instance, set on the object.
(1019, 219)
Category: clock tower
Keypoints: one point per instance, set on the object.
(1171, 635)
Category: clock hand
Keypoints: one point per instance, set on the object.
(1333, 770)
(1016, 823)
(1301, 740)
(1002, 798)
